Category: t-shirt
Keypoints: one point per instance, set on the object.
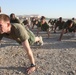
(44, 26)
(59, 24)
(19, 33)
(14, 20)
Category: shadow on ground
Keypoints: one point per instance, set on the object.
(18, 69)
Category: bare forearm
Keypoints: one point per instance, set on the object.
(60, 36)
(29, 51)
(31, 57)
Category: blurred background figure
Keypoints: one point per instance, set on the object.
(26, 23)
(13, 18)
(43, 26)
(33, 22)
(74, 20)
(59, 24)
(51, 22)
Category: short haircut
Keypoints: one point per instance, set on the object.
(42, 17)
(60, 18)
(69, 22)
(11, 15)
(4, 17)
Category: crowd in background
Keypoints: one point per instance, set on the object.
(43, 25)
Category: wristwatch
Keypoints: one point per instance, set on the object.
(33, 65)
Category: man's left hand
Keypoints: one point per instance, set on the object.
(30, 70)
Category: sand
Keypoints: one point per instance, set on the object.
(53, 58)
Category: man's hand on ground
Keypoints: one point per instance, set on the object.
(30, 70)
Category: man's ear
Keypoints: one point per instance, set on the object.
(8, 24)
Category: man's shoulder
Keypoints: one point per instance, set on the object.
(17, 25)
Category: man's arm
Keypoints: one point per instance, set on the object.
(55, 27)
(30, 55)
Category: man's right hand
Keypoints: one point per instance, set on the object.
(30, 70)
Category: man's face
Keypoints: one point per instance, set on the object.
(3, 27)
(13, 16)
(43, 21)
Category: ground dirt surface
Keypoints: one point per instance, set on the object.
(53, 58)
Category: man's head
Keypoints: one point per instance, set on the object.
(4, 23)
(42, 19)
(60, 18)
(73, 18)
(12, 16)
(69, 23)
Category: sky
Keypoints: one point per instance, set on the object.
(47, 8)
